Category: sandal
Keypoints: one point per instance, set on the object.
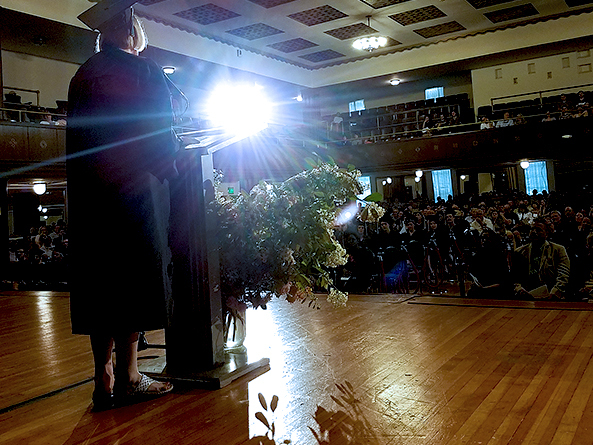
(142, 391)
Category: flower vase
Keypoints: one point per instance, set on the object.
(235, 329)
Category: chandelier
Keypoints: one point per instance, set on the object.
(369, 43)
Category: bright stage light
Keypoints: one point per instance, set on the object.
(239, 109)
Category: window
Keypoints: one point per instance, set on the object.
(433, 93)
(357, 105)
(536, 177)
(442, 184)
(365, 181)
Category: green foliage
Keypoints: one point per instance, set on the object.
(278, 239)
(374, 197)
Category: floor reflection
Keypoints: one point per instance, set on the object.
(298, 417)
(46, 329)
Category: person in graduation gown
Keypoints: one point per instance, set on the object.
(120, 151)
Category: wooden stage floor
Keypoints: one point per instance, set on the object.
(387, 369)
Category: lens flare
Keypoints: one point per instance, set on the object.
(239, 109)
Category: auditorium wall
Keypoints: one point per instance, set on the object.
(538, 74)
(378, 92)
(50, 77)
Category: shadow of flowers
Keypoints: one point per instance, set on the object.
(346, 425)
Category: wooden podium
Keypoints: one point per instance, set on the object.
(194, 334)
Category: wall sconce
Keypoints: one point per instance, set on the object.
(462, 177)
(524, 165)
(419, 174)
(417, 179)
(389, 180)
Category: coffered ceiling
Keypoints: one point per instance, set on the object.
(314, 34)
(309, 42)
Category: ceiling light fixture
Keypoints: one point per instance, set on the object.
(39, 188)
(369, 43)
(169, 69)
(395, 82)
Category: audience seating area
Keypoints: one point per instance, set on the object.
(453, 114)
(15, 110)
(423, 247)
(536, 108)
(402, 119)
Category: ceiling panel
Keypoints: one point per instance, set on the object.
(418, 15)
(316, 33)
(514, 13)
(318, 15)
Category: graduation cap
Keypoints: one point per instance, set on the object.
(108, 14)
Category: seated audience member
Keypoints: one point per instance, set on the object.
(438, 233)
(582, 100)
(584, 282)
(580, 254)
(41, 236)
(524, 216)
(506, 121)
(398, 220)
(356, 139)
(360, 266)
(520, 120)
(361, 237)
(337, 125)
(427, 125)
(582, 111)
(565, 113)
(509, 214)
(541, 268)
(456, 225)
(386, 237)
(536, 211)
(485, 123)
(13, 101)
(413, 239)
(46, 119)
(441, 123)
(480, 222)
(564, 103)
(421, 223)
(454, 118)
(569, 219)
(549, 117)
(489, 268)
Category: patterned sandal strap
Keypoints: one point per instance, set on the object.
(144, 384)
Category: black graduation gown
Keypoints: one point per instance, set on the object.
(120, 151)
